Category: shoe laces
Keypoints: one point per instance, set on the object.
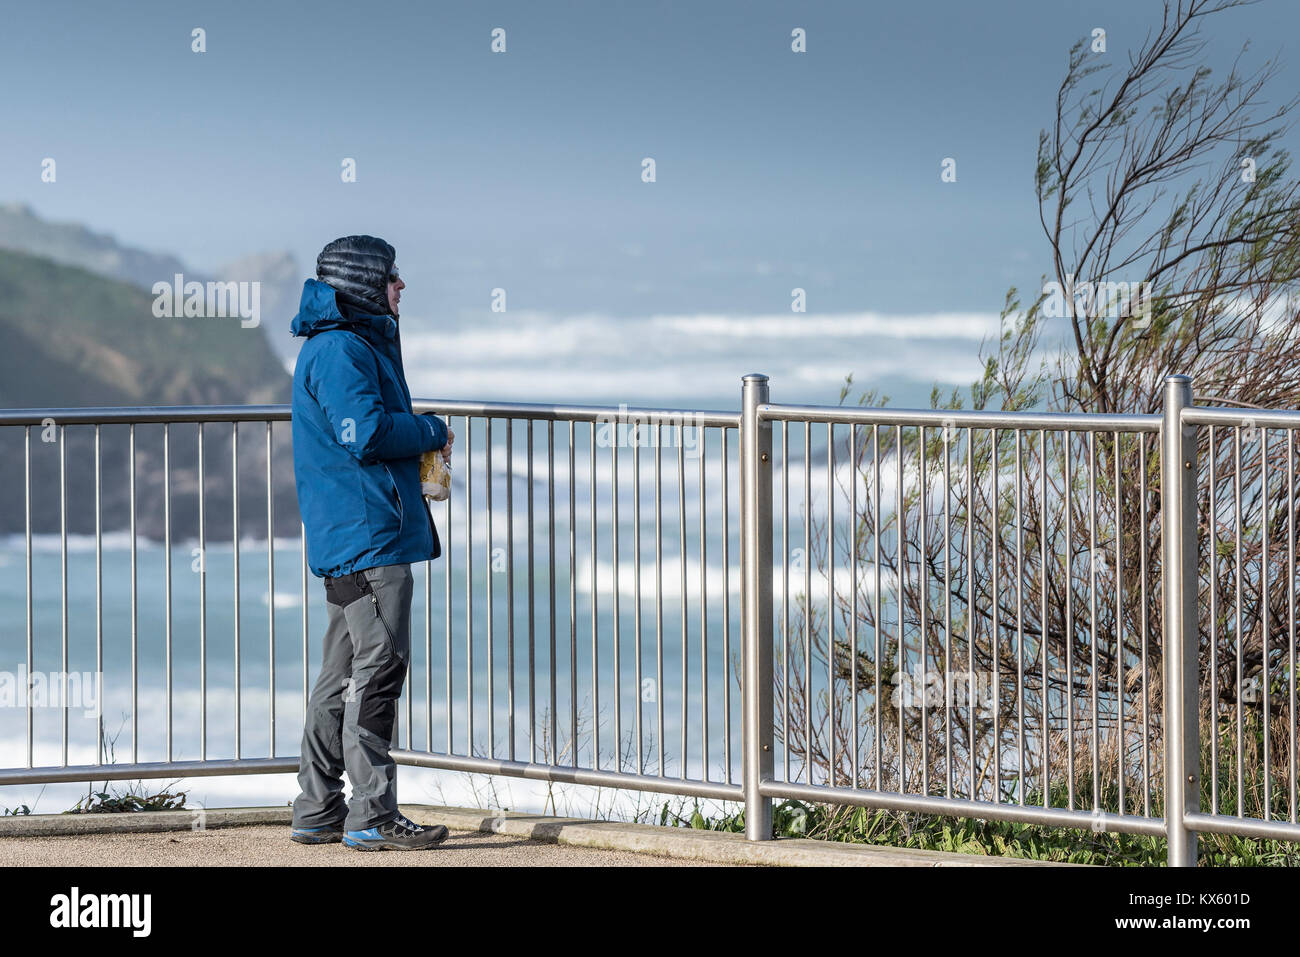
(402, 823)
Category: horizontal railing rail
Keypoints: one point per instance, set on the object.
(145, 415)
(958, 418)
(1029, 616)
(129, 415)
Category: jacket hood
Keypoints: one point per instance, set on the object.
(318, 311)
(358, 268)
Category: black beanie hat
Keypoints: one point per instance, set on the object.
(358, 268)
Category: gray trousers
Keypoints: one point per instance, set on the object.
(351, 714)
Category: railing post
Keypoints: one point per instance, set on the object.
(756, 604)
(1181, 677)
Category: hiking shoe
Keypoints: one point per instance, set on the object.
(327, 834)
(399, 834)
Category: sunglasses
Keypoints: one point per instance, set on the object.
(393, 275)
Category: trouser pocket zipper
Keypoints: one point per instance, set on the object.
(388, 632)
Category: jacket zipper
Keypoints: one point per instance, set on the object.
(401, 509)
(433, 532)
(401, 512)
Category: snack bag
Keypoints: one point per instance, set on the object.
(435, 477)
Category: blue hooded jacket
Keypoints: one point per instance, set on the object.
(356, 443)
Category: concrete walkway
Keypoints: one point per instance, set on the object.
(258, 837)
(259, 845)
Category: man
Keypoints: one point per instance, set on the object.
(356, 458)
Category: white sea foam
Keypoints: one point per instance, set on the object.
(688, 359)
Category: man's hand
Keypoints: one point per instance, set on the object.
(446, 449)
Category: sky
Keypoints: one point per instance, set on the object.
(522, 170)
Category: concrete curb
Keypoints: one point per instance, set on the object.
(141, 822)
(704, 847)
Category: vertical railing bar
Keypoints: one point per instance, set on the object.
(970, 611)
(923, 642)
(1265, 624)
(901, 576)
(1181, 653)
(469, 587)
(167, 574)
(618, 614)
(203, 602)
(550, 580)
(99, 603)
(1291, 616)
(1045, 733)
(853, 576)
(634, 431)
(756, 591)
(1092, 616)
(702, 435)
(1213, 586)
(572, 529)
(595, 645)
(726, 613)
(1120, 691)
(234, 542)
(491, 571)
(876, 522)
(947, 607)
(270, 595)
(807, 600)
(681, 548)
(1237, 522)
(306, 650)
(63, 575)
(445, 541)
(428, 634)
(785, 594)
(27, 512)
(995, 637)
(532, 614)
(135, 673)
(510, 591)
(428, 644)
(659, 598)
(1020, 621)
(1066, 441)
(448, 554)
(1145, 616)
(830, 596)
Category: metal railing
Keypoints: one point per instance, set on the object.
(578, 626)
(1004, 616)
(944, 601)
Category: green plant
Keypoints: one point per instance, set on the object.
(105, 802)
(133, 798)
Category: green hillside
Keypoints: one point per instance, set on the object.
(73, 338)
